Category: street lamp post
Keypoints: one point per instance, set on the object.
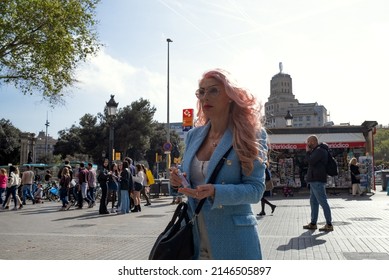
(46, 141)
(168, 110)
(111, 107)
(289, 119)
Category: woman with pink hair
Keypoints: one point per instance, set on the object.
(228, 116)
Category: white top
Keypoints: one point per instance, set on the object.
(198, 172)
(139, 177)
(14, 180)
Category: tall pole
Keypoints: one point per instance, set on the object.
(168, 108)
(111, 108)
(47, 125)
(111, 133)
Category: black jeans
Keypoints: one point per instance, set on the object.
(103, 199)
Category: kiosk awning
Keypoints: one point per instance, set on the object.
(334, 140)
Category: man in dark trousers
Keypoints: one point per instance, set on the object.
(317, 178)
(83, 186)
(102, 178)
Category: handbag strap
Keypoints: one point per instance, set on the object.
(212, 179)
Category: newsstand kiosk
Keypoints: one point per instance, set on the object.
(287, 154)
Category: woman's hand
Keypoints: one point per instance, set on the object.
(200, 192)
(175, 180)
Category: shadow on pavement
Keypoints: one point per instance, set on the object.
(305, 240)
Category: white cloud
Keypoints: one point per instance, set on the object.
(106, 75)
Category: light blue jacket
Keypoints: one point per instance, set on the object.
(230, 222)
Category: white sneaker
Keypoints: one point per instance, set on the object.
(113, 210)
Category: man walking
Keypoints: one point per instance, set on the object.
(83, 186)
(317, 178)
(27, 181)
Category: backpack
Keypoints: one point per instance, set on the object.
(332, 165)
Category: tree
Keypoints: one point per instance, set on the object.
(381, 146)
(43, 41)
(69, 142)
(157, 139)
(136, 134)
(93, 136)
(133, 127)
(9, 143)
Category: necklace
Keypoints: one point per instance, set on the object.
(215, 142)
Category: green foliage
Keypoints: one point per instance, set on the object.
(158, 138)
(92, 137)
(381, 146)
(69, 142)
(43, 41)
(136, 134)
(9, 143)
(133, 128)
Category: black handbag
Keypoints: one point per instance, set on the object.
(176, 241)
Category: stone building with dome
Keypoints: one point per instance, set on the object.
(282, 101)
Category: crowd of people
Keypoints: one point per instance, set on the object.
(122, 186)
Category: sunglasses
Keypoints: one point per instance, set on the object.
(211, 91)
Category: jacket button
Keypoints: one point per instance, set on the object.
(220, 206)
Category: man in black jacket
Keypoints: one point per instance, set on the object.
(102, 178)
(317, 178)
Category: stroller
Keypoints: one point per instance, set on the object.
(51, 192)
(288, 190)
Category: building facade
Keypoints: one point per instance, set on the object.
(44, 146)
(282, 100)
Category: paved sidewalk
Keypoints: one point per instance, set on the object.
(41, 232)
(361, 229)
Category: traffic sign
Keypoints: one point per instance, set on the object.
(167, 147)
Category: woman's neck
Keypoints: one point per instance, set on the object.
(218, 127)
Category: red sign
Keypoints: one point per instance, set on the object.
(301, 146)
(187, 119)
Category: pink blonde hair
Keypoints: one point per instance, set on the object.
(244, 119)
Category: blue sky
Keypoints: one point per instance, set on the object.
(335, 51)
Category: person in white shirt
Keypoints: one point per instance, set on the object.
(12, 186)
(138, 185)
